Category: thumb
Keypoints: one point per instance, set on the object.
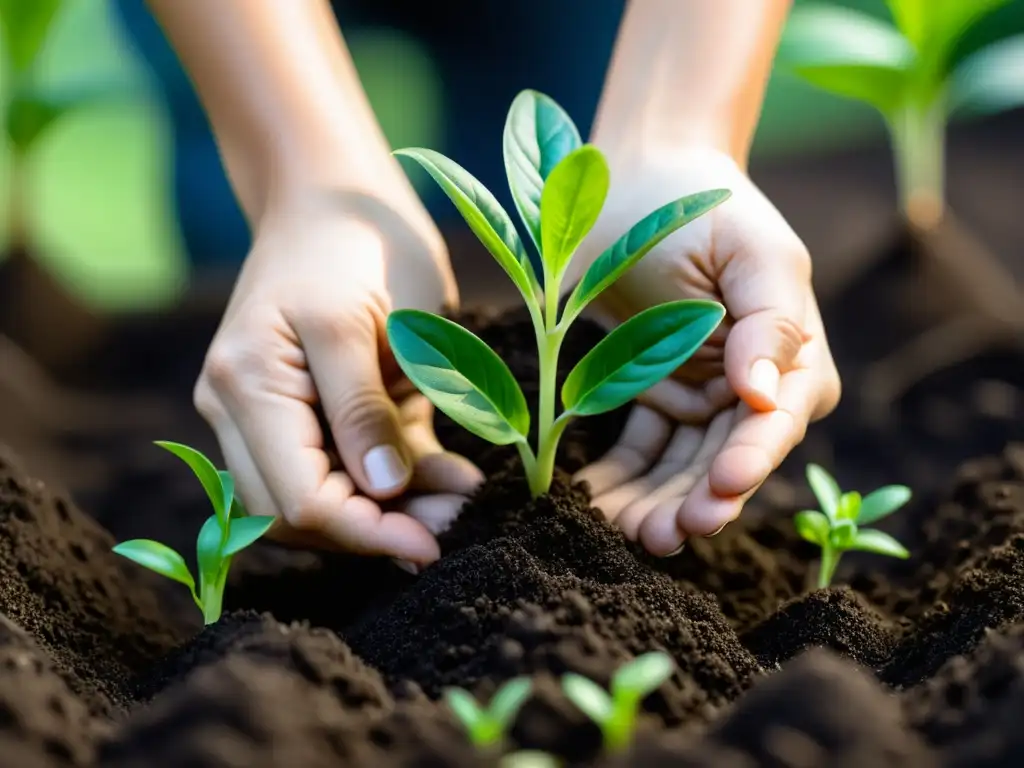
(766, 293)
(364, 420)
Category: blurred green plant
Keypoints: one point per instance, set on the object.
(838, 526)
(913, 73)
(487, 726)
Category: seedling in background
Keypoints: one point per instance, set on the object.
(226, 532)
(488, 726)
(559, 186)
(914, 74)
(837, 528)
(529, 758)
(616, 713)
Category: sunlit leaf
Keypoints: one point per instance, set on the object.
(509, 700)
(25, 24)
(573, 196)
(882, 502)
(590, 698)
(849, 506)
(991, 80)
(644, 674)
(637, 243)
(870, 540)
(219, 489)
(812, 526)
(244, 531)
(459, 374)
(935, 26)
(825, 489)
(464, 706)
(638, 354)
(159, 558)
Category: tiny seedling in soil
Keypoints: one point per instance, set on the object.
(487, 726)
(559, 186)
(225, 533)
(914, 73)
(837, 528)
(616, 713)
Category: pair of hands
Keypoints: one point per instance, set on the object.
(305, 331)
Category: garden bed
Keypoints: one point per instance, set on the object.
(325, 660)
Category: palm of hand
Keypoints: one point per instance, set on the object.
(691, 455)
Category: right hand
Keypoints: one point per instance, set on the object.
(305, 326)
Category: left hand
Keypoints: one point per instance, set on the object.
(698, 445)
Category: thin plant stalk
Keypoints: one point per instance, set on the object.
(919, 148)
(827, 569)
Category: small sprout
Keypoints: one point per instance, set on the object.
(529, 758)
(487, 726)
(559, 186)
(224, 534)
(837, 527)
(616, 714)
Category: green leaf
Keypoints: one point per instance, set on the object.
(991, 80)
(881, 503)
(643, 675)
(842, 534)
(849, 506)
(459, 374)
(227, 481)
(572, 199)
(244, 531)
(812, 526)
(25, 26)
(637, 243)
(509, 700)
(638, 354)
(880, 543)
(30, 113)
(465, 708)
(590, 698)
(159, 558)
(848, 53)
(482, 213)
(935, 26)
(825, 489)
(538, 135)
(218, 490)
(208, 550)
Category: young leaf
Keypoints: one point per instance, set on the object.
(465, 708)
(237, 508)
(244, 531)
(459, 374)
(644, 674)
(25, 24)
(538, 134)
(482, 213)
(990, 80)
(825, 489)
(842, 534)
(638, 354)
(572, 199)
(220, 489)
(637, 243)
(157, 557)
(934, 26)
(849, 506)
(509, 700)
(812, 526)
(871, 540)
(591, 699)
(881, 503)
(848, 53)
(208, 550)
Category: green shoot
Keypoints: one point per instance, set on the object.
(225, 533)
(529, 758)
(914, 75)
(837, 528)
(616, 713)
(559, 186)
(487, 726)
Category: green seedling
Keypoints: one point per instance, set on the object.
(225, 533)
(837, 528)
(529, 758)
(915, 73)
(487, 726)
(616, 713)
(559, 186)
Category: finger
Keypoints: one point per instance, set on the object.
(434, 469)
(766, 290)
(674, 478)
(754, 450)
(685, 404)
(436, 511)
(343, 357)
(642, 441)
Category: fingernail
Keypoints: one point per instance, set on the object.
(764, 377)
(715, 533)
(385, 469)
(405, 565)
(676, 551)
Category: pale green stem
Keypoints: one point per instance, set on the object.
(919, 146)
(211, 595)
(827, 569)
(618, 730)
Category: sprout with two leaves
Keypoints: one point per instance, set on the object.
(225, 533)
(615, 713)
(487, 726)
(838, 526)
(559, 186)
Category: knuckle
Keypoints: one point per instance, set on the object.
(359, 409)
(304, 514)
(206, 401)
(230, 366)
(354, 323)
